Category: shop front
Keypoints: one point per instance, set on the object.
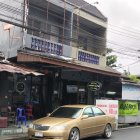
(68, 82)
(82, 87)
(74, 92)
(20, 88)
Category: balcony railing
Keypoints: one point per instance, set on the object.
(46, 46)
(89, 58)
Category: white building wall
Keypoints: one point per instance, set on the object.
(91, 18)
(11, 38)
(130, 91)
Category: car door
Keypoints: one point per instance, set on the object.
(87, 124)
(100, 120)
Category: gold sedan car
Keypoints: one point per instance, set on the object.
(73, 122)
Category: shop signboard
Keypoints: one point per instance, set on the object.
(46, 46)
(87, 57)
(94, 85)
(108, 106)
(128, 108)
(20, 87)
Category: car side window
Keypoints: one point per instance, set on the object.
(88, 111)
(97, 111)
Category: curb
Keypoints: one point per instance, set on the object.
(127, 126)
(123, 126)
(14, 137)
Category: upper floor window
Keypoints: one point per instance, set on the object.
(55, 30)
(82, 42)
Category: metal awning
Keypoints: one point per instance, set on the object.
(15, 68)
(31, 57)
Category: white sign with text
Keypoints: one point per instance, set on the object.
(108, 106)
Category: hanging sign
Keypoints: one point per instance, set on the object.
(94, 85)
(20, 87)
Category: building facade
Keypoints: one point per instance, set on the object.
(65, 40)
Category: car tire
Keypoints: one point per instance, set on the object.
(108, 131)
(74, 134)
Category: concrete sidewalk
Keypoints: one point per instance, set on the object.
(14, 137)
(14, 133)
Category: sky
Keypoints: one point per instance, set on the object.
(123, 33)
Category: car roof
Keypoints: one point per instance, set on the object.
(77, 106)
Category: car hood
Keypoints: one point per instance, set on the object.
(50, 121)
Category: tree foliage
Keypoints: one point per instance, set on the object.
(110, 59)
(133, 78)
(126, 72)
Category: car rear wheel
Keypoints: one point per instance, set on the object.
(107, 131)
(74, 134)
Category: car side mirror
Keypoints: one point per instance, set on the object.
(84, 116)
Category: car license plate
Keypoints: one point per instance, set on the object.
(38, 134)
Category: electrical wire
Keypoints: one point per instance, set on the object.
(120, 67)
(125, 28)
(42, 10)
(96, 37)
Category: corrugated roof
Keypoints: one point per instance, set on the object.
(88, 8)
(14, 68)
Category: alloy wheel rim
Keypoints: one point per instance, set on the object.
(74, 135)
(108, 131)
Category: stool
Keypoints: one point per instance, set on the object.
(29, 111)
(20, 116)
(3, 122)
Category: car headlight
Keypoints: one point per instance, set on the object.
(31, 125)
(58, 127)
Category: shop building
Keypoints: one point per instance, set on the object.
(66, 41)
(14, 91)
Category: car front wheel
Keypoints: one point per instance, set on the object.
(74, 134)
(107, 131)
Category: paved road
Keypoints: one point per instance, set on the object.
(122, 134)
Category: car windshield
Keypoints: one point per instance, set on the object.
(67, 112)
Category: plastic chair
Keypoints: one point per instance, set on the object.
(29, 111)
(20, 116)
